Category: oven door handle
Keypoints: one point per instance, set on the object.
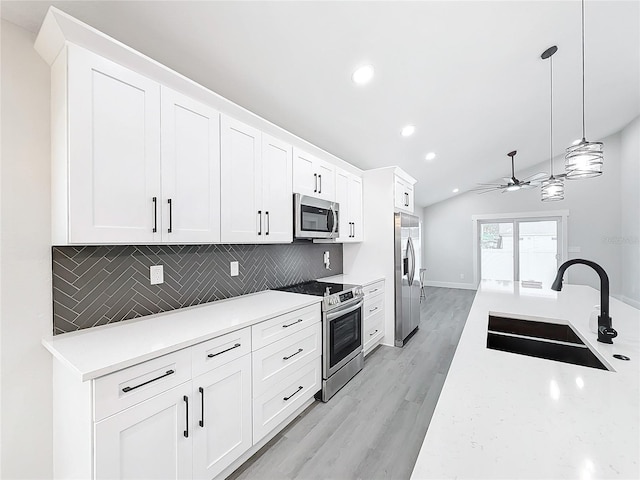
(332, 315)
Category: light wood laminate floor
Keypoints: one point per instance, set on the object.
(374, 427)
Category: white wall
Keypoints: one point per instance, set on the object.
(595, 221)
(630, 201)
(25, 298)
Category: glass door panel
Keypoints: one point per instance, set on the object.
(496, 251)
(538, 251)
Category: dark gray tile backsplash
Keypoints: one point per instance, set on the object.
(105, 284)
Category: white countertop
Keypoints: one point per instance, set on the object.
(504, 415)
(102, 350)
(353, 279)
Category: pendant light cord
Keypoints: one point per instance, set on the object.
(551, 115)
(583, 124)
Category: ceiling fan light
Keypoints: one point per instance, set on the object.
(512, 188)
(552, 189)
(584, 160)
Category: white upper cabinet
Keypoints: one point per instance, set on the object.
(277, 190)
(403, 194)
(133, 162)
(190, 170)
(112, 160)
(349, 198)
(313, 177)
(256, 194)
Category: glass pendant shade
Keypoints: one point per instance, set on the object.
(552, 189)
(584, 160)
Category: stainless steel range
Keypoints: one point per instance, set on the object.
(342, 355)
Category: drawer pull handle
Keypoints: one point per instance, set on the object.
(372, 334)
(289, 324)
(287, 398)
(128, 389)
(201, 422)
(373, 309)
(186, 423)
(374, 290)
(292, 355)
(211, 355)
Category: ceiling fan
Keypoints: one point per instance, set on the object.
(512, 183)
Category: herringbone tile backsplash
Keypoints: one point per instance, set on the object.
(98, 285)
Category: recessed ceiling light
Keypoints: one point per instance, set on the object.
(577, 141)
(363, 74)
(430, 156)
(408, 130)
(456, 190)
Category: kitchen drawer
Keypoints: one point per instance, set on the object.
(277, 360)
(373, 329)
(127, 387)
(220, 350)
(373, 306)
(283, 398)
(279, 327)
(375, 288)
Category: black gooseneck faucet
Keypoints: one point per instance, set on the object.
(606, 333)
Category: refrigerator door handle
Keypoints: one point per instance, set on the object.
(412, 265)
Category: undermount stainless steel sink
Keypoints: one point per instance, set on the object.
(541, 339)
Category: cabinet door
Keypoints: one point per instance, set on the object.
(148, 440)
(222, 426)
(403, 195)
(114, 152)
(342, 197)
(277, 190)
(355, 208)
(305, 176)
(326, 180)
(241, 216)
(190, 170)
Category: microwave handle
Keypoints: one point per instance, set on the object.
(334, 222)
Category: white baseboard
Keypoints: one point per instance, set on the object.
(464, 286)
(628, 301)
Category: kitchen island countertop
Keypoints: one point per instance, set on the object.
(504, 415)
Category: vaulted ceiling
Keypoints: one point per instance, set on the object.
(467, 74)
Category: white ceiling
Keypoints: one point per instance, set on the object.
(468, 74)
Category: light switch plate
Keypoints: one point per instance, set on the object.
(235, 269)
(156, 274)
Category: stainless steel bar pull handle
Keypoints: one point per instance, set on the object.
(315, 179)
(155, 214)
(373, 309)
(186, 423)
(287, 398)
(289, 324)
(266, 214)
(128, 389)
(211, 355)
(170, 229)
(320, 179)
(293, 354)
(373, 333)
(201, 422)
(259, 222)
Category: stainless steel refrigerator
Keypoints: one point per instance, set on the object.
(407, 282)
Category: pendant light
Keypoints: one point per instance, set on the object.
(553, 187)
(585, 159)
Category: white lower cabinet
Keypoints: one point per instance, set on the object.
(222, 417)
(374, 315)
(149, 440)
(196, 412)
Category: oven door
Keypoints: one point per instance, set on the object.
(342, 336)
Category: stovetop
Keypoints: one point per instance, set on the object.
(334, 294)
(320, 289)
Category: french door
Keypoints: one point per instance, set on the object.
(527, 250)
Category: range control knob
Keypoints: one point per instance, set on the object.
(359, 291)
(333, 301)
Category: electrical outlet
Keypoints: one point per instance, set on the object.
(234, 269)
(327, 260)
(462, 276)
(156, 274)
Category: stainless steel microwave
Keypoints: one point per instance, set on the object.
(314, 217)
